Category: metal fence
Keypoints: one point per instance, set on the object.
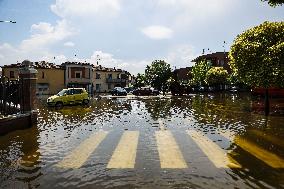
(11, 96)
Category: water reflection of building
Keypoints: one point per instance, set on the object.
(20, 159)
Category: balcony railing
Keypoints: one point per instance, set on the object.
(108, 80)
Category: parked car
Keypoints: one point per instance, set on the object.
(69, 96)
(203, 89)
(119, 91)
(145, 91)
(129, 89)
(234, 89)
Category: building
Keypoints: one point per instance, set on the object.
(217, 59)
(182, 74)
(105, 79)
(78, 74)
(50, 76)
(53, 78)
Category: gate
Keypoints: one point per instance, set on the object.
(11, 96)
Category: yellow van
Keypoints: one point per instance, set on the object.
(69, 96)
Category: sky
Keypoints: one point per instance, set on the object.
(125, 34)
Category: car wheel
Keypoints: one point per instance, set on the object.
(59, 105)
(85, 101)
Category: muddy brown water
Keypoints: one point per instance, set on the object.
(198, 141)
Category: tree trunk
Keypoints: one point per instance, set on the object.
(266, 102)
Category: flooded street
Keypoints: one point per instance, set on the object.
(198, 141)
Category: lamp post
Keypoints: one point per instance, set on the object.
(6, 21)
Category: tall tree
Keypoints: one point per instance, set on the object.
(274, 2)
(216, 76)
(257, 57)
(158, 73)
(140, 80)
(199, 72)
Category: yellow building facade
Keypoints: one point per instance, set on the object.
(50, 78)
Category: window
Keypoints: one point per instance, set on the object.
(70, 92)
(12, 74)
(42, 75)
(98, 87)
(222, 63)
(78, 91)
(109, 86)
(77, 74)
(117, 77)
(98, 76)
(110, 76)
(209, 62)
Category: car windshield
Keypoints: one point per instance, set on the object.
(61, 93)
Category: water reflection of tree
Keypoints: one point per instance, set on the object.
(220, 108)
(166, 107)
(158, 107)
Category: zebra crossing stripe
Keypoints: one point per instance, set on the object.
(81, 153)
(169, 152)
(215, 154)
(269, 158)
(268, 137)
(124, 155)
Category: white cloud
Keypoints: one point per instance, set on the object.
(69, 44)
(108, 60)
(42, 27)
(44, 34)
(157, 32)
(38, 46)
(181, 56)
(85, 8)
(188, 14)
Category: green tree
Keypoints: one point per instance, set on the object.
(158, 73)
(140, 80)
(274, 3)
(216, 76)
(199, 72)
(257, 57)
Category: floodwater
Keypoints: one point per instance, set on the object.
(198, 141)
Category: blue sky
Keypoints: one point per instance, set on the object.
(125, 34)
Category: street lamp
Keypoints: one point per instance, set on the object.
(13, 22)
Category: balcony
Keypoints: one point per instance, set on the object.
(109, 80)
